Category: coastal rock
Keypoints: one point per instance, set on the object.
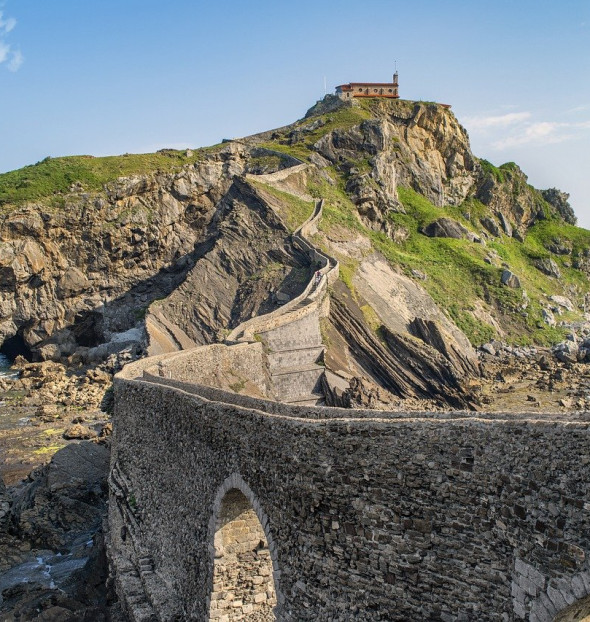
(510, 279)
(94, 266)
(445, 228)
(548, 266)
(65, 498)
(566, 351)
(80, 432)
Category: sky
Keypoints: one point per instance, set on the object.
(131, 76)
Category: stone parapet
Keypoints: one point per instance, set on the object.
(384, 517)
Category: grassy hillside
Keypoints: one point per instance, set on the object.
(463, 277)
(457, 277)
(55, 176)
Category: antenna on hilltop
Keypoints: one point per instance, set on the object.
(325, 86)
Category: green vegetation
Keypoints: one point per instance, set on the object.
(492, 170)
(238, 386)
(55, 176)
(457, 275)
(460, 277)
(311, 130)
(293, 210)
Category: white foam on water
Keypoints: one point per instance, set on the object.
(6, 370)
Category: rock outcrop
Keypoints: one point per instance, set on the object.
(248, 258)
(445, 228)
(53, 560)
(559, 200)
(64, 499)
(421, 146)
(76, 276)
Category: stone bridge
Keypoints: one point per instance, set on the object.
(228, 507)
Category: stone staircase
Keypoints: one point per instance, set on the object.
(291, 335)
(293, 352)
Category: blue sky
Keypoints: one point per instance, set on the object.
(105, 77)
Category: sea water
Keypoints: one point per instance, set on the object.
(6, 369)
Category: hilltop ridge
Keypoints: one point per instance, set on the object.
(178, 248)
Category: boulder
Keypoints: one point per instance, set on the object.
(445, 228)
(548, 266)
(472, 237)
(491, 225)
(49, 352)
(562, 301)
(548, 317)
(79, 431)
(510, 279)
(560, 247)
(488, 348)
(505, 224)
(566, 351)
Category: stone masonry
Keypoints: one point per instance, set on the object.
(386, 517)
(224, 505)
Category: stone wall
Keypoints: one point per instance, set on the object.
(242, 368)
(425, 517)
(242, 578)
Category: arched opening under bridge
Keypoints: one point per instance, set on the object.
(243, 583)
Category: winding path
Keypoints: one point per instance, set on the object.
(361, 515)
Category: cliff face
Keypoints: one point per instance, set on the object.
(78, 274)
(195, 253)
(406, 144)
(245, 262)
(423, 146)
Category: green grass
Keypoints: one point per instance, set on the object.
(294, 211)
(342, 120)
(54, 176)
(457, 273)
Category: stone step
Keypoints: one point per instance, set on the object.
(313, 399)
(302, 333)
(297, 357)
(294, 382)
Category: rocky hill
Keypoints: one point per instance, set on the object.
(437, 248)
(454, 276)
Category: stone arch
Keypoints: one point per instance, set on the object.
(564, 600)
(239, 530)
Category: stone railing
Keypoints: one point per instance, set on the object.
(314, 291)
(280, 175)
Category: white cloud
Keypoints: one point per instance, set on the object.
(6, 25)
(13, 58)
(541, 133)
(578, 109)
(4, 51)
(504, 120)
(16, 61)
